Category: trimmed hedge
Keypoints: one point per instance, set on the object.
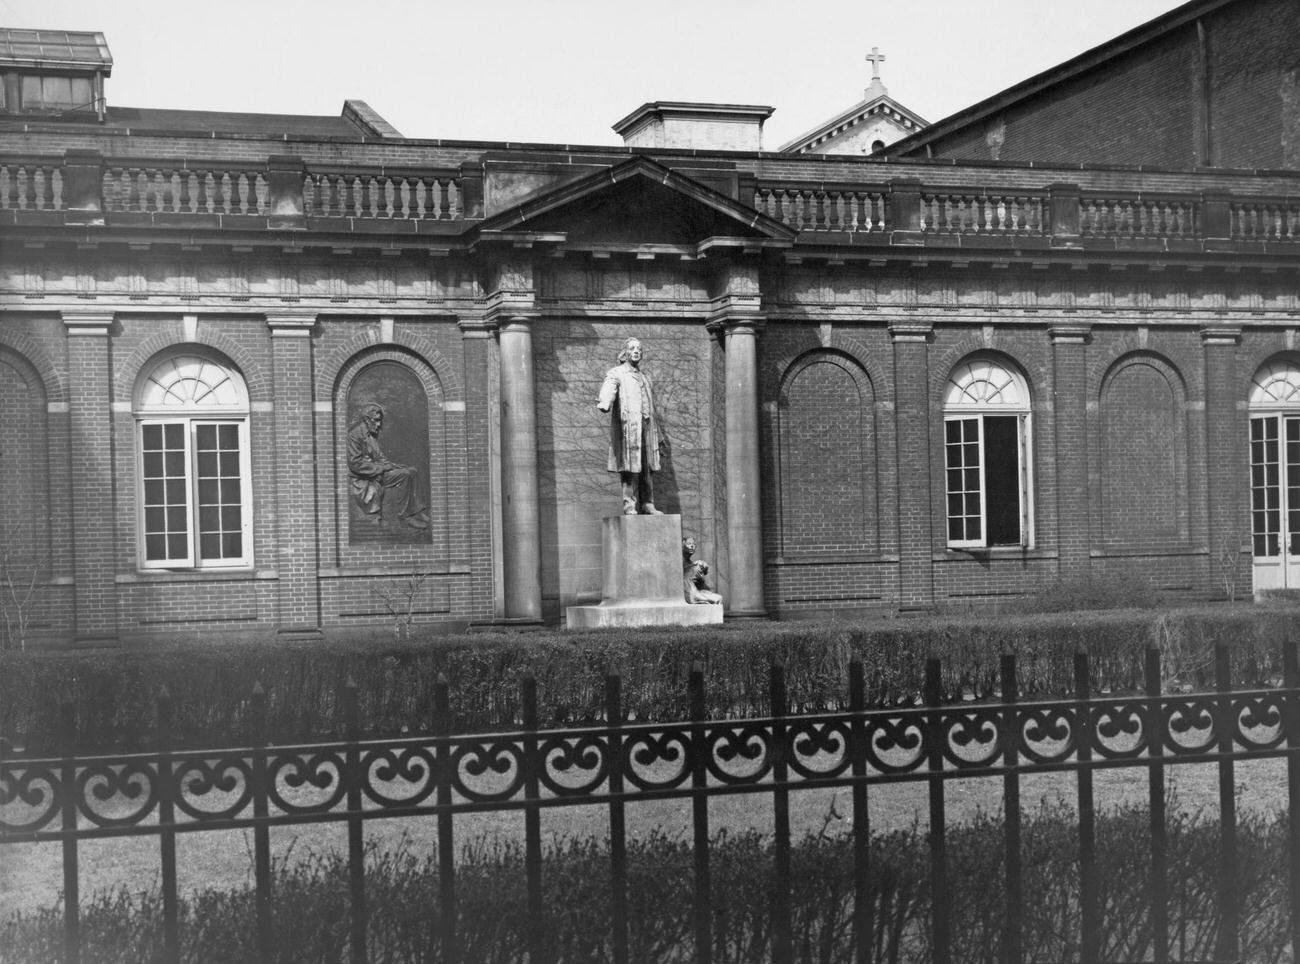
(114, 691)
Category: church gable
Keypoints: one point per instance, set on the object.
(638, 202)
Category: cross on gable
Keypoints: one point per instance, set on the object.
(875, 57)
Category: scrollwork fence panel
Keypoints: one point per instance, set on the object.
(168, 792)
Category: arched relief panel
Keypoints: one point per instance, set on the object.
(1142, 424)
(391, 485)
(827, 439)
(25, 509)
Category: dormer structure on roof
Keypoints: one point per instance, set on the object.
(53, 72)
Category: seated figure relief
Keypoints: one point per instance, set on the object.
(694, 571)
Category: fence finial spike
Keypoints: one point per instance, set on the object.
(258, 689)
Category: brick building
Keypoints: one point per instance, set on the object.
(1003, 350)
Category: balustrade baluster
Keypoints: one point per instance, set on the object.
(445, 764)
(222, 183)
(455, 200)
(1225, 726)
(862, 905)
(532, 764)
(617, 818)
(936, 737)
(167, 830)
(69, 792)
(1089, 889)
(39, 187)
(183, 201)
(1013, 924)
(6, 185)
(261, 832)
(353, 776)
(779, 209)
(699, 751)
(56, 189)
(1154, 727)
(782, 943)
(419, 191)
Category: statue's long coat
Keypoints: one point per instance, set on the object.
(621, 392)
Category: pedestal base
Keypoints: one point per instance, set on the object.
(642, 556)
(624, 615)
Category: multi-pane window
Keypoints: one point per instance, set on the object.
(194, 472)
(1275, 461)
(986, 447)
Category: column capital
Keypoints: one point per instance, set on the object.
(479, 327)
(1070, 334)
(291, 325)
(733, 319)
(87, 322)
(900, 331)
(1221, 335)
(511, 321)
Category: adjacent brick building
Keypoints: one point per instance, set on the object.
(940, 375)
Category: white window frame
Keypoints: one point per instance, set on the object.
(977, 388)
(158, 404)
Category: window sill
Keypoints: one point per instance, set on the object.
(994, 552)
(195, 575)
(397, 569)
(830, 558)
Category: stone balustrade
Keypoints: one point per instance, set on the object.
(280, 186)
(84, 186)
(382, 195)
(1139, 217)
(154, 189)
(1265, 220)
(31, 184)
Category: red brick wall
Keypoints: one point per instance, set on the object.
(1143, 449)
(1150, 106)
(828, 459)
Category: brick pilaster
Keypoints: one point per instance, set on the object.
(478, 549)
(91, 445)
(1227, 484)
(1070, 412)
(912, 411)
(296, 560)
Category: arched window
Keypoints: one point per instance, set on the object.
(191, 412)
(986, 446)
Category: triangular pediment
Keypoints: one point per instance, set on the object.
(637, 202)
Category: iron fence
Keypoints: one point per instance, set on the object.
(167, 792)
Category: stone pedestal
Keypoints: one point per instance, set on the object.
(642, 577)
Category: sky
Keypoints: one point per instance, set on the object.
(564, 71)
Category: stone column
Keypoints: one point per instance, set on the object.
(1069, 410)
(90, 391)
(915, 505)
(296, 559)
(1226, 432)
(521, 519)
(744, 491)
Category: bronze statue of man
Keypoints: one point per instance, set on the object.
(381, 488)
(633, 429)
